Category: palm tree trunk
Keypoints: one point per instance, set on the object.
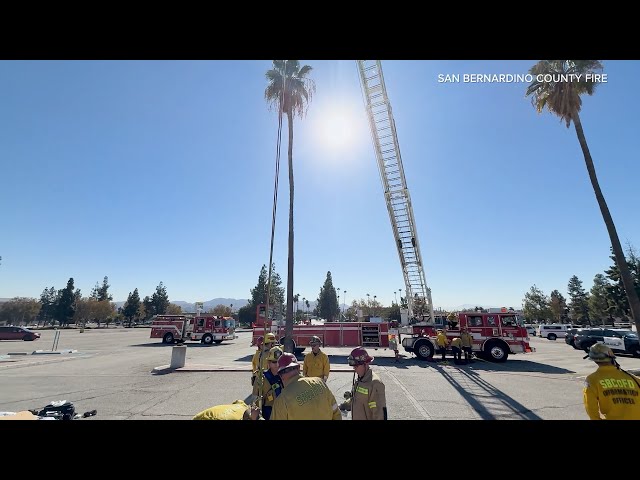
(621, 261)
(288, 329)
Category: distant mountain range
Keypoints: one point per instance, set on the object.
(188, 307)
(191, 307)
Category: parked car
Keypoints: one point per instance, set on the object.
(569, 338)
(18, 333)
(620, 341)
(531, 329)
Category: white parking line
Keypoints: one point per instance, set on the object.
(411, 398)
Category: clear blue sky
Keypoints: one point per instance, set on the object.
(150, 171)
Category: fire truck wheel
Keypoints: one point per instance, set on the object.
(207, 339)
(296, 350)
(423, 349)
(496, 351)
(168, 338)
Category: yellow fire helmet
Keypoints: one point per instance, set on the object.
(274, 354)
(269, 338)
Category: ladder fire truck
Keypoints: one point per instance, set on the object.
(180, 328)
(396, 193)
(495, 335)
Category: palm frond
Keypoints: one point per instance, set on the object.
(550, 89)
(289, 87)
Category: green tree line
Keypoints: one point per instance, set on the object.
(603, 303)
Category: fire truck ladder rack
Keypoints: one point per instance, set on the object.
(396, 193)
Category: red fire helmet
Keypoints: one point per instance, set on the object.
(287, 360)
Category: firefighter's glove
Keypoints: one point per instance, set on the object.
(347, 395)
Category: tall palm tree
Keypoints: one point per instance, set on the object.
(289, 90)
(562, 98)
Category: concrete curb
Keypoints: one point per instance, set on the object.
(6, 364)
(51, 352)
(197, 367)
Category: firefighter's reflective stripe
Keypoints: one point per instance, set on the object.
(362, 390)
(372, 405)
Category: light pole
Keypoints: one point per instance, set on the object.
(368, 304)
(304, 300)
(338, 304)
(374, 304)
(396, 296)
(344, 300)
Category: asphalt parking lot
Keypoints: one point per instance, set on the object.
(115, 371)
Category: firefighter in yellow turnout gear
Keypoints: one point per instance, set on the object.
(467, 345)
(442, 342)
(269, 384)
(303, 398)
(610, 392)
(237, 410)
(367, 400)
(316, 363)
(259, 361)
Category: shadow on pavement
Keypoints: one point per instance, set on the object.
(488, 401)
(246, 358)
(480, 364)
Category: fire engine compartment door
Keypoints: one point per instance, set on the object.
(493, 327)
(199, 325)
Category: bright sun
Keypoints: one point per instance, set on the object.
(337, 128)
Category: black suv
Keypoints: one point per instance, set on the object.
(569, 337)
(620, 341)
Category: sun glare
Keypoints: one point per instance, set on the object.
(337, 128)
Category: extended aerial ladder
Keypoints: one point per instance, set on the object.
(396, 193)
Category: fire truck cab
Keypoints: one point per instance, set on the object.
(495, 335)
(206, 329)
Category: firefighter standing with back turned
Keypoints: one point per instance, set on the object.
(610, 392)
(303, 398)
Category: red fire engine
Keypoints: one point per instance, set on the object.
(206, 329)
(495, 335)
(333, 334)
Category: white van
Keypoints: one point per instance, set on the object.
(531, 329)
(554, 330)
